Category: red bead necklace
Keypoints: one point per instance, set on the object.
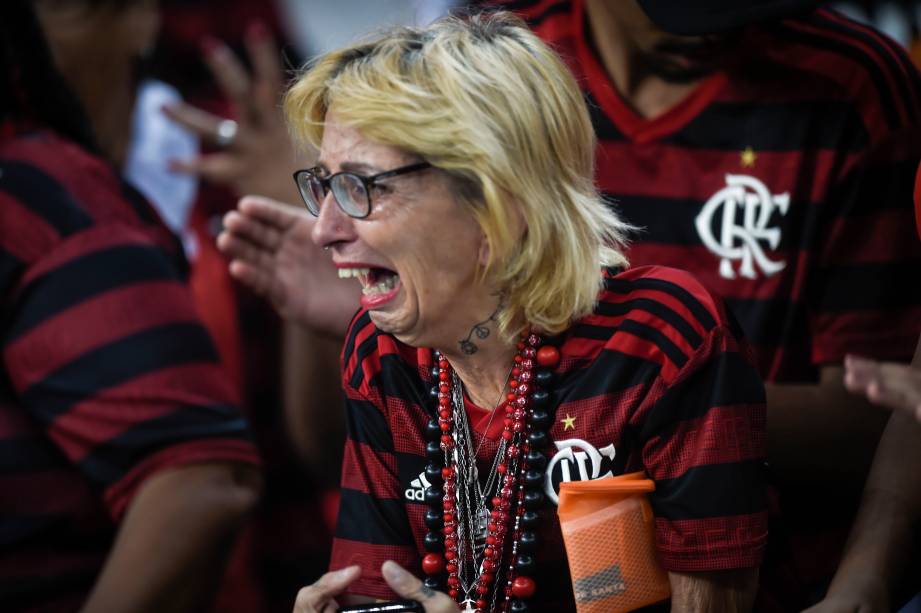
(513, 514)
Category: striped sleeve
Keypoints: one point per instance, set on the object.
(373, 525)
(102, 346)
(703, 443)
(865, 292)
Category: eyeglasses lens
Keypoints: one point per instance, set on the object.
(351, 194)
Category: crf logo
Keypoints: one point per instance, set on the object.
(741, 242)
(576, 460)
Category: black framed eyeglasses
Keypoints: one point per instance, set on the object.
(352, 191)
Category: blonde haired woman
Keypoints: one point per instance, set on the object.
(502, 345)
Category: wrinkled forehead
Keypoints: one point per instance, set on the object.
(345, 147)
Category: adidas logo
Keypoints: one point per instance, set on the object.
(416, 490)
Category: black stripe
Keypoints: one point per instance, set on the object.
(767, 321)
(398, 378)
(713, 490)
(589, 331)
(655, 337)
(117, 362)
(44, 196)
(377, 521)
(85, 277)
(692, 304)
(872, 286)
(900, 75)
(46, 592)
(766, 126)
(874, 187)
(358, 323)
(612, 371)
(10, 270)
(889, 106)
(110, 460)
(366, 424)
(365, 348)
(727, 379)
(30, 454)
(616, 309)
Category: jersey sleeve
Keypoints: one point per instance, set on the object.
(865, 296)
(703, 444)
(102, 347)
(373, 525)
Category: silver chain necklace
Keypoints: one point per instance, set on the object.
(471, 498)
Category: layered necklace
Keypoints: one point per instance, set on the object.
(481, 537)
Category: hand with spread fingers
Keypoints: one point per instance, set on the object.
(271, 252)
(897, 386)
(320, 597)
(256, 155)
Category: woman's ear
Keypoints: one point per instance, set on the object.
(483, 252)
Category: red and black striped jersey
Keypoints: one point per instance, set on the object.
(783, 183)
(655, 380)
(107, 375)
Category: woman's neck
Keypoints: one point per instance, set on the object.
(482, 359)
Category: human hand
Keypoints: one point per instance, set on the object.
(271, 252)
(320, 596)
(406, 585)
(257, 157)
(897, 386)
(855, 596)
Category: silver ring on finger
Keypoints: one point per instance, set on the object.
(226, 133)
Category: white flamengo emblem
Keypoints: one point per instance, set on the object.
(568, 459)
(740, 242)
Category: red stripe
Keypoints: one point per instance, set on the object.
(371, 472)
(829, 65)
(869, 52)
(93, 323)
(97, 238)
(26, 236)
(90, 180)
(706, 267)
(717, 543)
(627, 170)
(724, 435)
(370, 557)
(874, 234)
(918, 200)
(205, 451)
(114, 410)
(835, 336)
(660, 296)
(890, 47)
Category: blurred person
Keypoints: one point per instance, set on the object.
(129, 468)
(885, 534)
(500, 328)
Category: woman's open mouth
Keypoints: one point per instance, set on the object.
(378, 285)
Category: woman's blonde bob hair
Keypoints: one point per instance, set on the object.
(486, 101)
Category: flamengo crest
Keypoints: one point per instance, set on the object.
(577, 460)
(741, 242)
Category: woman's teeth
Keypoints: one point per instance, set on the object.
(384, 285)
(345, 273)
(385, 282)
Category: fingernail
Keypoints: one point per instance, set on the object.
(393, 572)
(257, 31)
